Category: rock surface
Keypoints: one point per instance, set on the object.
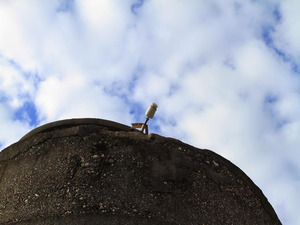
(92, 171)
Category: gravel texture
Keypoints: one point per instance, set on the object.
(85, 172)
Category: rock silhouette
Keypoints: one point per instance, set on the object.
(92, 171)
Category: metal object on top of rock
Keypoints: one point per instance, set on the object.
(150, 114)
(151, 110)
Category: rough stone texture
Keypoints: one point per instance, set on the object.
(85, 172)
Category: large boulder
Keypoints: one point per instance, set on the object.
(91, 171)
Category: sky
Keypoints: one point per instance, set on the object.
(224, 74)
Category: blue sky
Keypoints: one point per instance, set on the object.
(225, 76)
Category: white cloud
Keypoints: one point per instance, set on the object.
(74, 96)
(222, 73)
(288, 34)
(12, 84)
(10, 130)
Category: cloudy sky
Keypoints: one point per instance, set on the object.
(225, 76)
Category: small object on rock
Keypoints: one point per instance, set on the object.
(95, 156)
(150, 114)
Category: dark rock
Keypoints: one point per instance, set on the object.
(92, 171)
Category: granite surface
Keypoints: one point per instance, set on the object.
(93, 171)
